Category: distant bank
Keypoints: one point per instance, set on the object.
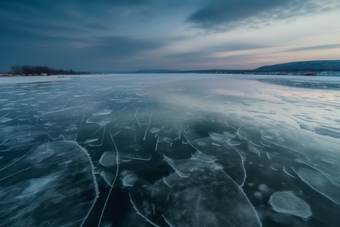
(307, 68)
(26, 70)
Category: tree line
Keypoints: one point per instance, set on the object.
(41, 70)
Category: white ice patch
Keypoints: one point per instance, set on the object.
(258, 195)
(154, 130)
(90, 140)
(108, 159)
(99, 120)
(168, 140)
(102, 112)
(218, 137)
(36, 185)
(49, 123)
(171, 163)
(229, 135)
(3, 120)
(264, 188)
(202, 143)
(253, 149)
(128, 178)
(286, 202)
(123, 100)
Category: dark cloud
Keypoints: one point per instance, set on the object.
(321, 47)
(93, 54)
(227, 14)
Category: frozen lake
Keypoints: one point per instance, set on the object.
(170, 150)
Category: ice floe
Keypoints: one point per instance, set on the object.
(287, 202)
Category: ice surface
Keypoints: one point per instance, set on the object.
(192, 150)
(200, 199)
(287, 202)
(54, 189)
(226, 156)
(320, 183)
(114, 179)
(37, 185)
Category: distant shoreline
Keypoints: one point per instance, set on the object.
(61, 75)
(220, 71)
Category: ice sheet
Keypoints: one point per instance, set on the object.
(199, 199)
(49, 174)
(320, 183)
(186, 143)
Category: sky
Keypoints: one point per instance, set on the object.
(129, 35)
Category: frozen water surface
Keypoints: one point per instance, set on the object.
(170, 150)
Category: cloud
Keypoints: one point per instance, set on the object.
(235, 46)
(208, 52)
(97, 26)
(122, 46)
(321, 47)
(228, 14)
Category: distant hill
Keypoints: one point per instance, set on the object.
(293, 68)
(321, 65)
